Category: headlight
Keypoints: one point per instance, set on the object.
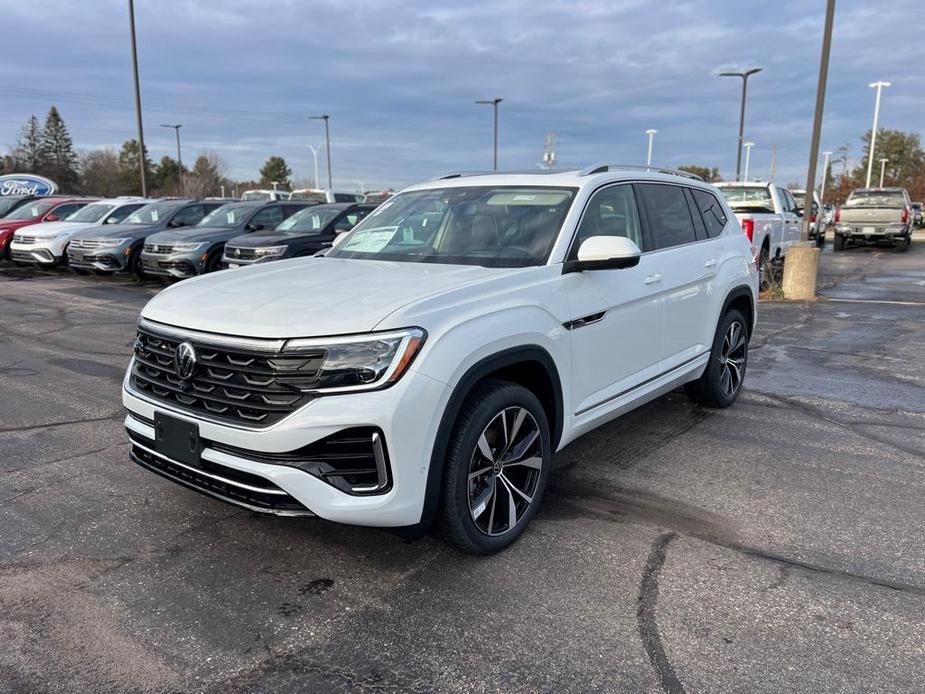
(358, 362)
(188, 247)
(270, 251)
(111, 243)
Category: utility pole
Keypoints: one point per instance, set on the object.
(873, 133)
(882, 170)
(327, 139)
(179, 159)
(141, 135)
(820, 108)
(315, 151)
(494, 103)
(651, 133)
(748, 155)
(773, 161)
(744, 75)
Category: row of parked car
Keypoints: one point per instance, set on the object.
(171, 238)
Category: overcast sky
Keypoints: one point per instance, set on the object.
(399, 79)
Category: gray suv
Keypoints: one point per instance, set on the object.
(180, 253)
(118, 248)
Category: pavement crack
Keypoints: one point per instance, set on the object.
(646, 616)
(65, 423)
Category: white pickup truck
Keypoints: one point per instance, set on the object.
(769, 216)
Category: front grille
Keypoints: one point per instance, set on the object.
(85, 243)
(243, 387)
(26, 240)
(237, 253)
(22, 256)
(158, 248)
(234, 486)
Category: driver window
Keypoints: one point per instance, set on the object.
(610, 212)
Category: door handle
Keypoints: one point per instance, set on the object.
(710, 263)
(652, 279)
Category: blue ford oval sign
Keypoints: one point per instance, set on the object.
(26, 184)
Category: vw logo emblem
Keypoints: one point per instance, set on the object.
(184, 361)
(237, 252)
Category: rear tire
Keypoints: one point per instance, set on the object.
(721, 382)
(764, 269)
(497, 464)
(902, 244)
(838, 243)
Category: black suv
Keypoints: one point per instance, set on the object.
(304, 233)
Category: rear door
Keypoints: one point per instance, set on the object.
(687, 259)
(616, 320)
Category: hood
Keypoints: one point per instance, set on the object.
(129, 231)
(194, 234)
(306, 297)
(51, 229)
(259, 239)
(16, 224)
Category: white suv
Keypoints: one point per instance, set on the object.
(427, 369)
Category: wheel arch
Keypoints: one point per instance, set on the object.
(741, 297)
(529, 365)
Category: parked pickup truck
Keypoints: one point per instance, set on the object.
(769, 216)
(874, 214)
(816, 216)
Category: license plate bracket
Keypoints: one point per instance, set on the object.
(177, 439)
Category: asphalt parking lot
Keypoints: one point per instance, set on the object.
(775, 546)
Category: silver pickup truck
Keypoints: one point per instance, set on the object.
(874, 214)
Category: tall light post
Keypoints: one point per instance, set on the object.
(494, 103)
(825, 177)
(179, 159)
(882, 170)
(873, 133)
(327, 139)
(315, 151)
(141, 134)
(744, 75)
(651, 133)
(748, 157)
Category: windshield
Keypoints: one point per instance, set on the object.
(309, 220)
(753, 198)
(256, 195)
(90, 213)
(477, 225)
(153, 213)
(308, 195)
(32, 210)
(227, 215)
(7, 204)
(876, 198)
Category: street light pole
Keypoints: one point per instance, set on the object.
(744, 75)
(141, 135)
(651, 133)
(179, 159)
(873, 133)
(494, 103)
(327, 139)
(315, 157)
(882, 170)
(748, 156)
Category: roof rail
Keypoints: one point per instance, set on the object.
(531, 172)
(603, 167)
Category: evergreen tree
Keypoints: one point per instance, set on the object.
(60, 159)
(129, 167)
(275, 170)
(29, 155)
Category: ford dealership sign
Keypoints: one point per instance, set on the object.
(26, 184)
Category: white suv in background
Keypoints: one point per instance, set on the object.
(46, 244)
(430, 365)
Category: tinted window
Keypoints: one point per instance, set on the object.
(355, 216)
(610, 212)
(123, 212)
(346, 197)
(188, 216)
(670, 222)
(699, 228)
(64, 211)
(712, 212)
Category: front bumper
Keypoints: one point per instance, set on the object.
(177, 265)
(407, 414)
(45, 252)
(104, 259)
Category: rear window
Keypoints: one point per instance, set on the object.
(755, 198)
(876, 198)
(670, 221)
(711, 210)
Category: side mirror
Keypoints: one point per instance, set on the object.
(605, 253)
(251, 226)
(176, 225)
(51, 218)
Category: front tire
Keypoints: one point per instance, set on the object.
(497, 464)
(135, 266)
(721, 382)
